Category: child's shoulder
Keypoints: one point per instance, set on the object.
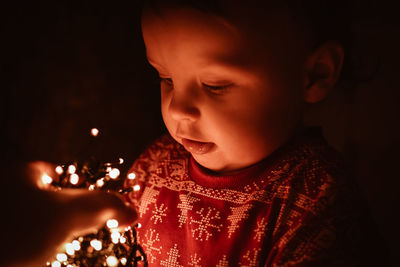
(310, 150)
(316, 168)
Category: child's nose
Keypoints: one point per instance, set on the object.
(183, 106)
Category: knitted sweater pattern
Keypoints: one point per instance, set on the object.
(287, 210)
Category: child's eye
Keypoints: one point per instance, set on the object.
(216, 87)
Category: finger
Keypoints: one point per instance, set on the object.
(40, 174)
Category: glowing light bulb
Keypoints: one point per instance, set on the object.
(121, 160)
(100, 182)
(69, 248)
(123, 261)
(112, 223)
(131, 176)
(114, 173)
(56, 264)
(122, 239)
(76, 245)
(112, 261)
(91, 187)
(69, 265)
(74, 179)
(96, 244)
(46, 179)
(139, 225)
(94, 132)
(136, 188)
(115, 237)
(61, 257)
(71, 169)
(59, 170)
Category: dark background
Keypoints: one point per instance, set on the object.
(67, 67)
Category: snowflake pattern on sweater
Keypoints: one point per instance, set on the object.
(284, 211)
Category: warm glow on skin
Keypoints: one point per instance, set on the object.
(261, 100)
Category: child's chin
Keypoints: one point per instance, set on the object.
(207, 162)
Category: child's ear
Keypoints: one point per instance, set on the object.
(322, 70)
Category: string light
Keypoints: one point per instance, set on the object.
(112, 261)
(115, 237)
(69, 249)
(46, 179)
(74, 179)
(96, 244)
(61, 257)
(136, 187)
(112, 223)
(76, 245)
(114, 173)
(71, 169)
(94, 132)
(59, 170)
(100, 182)
(109, 246)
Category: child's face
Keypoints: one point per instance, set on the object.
(229, 95)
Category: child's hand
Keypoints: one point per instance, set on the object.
(50, 218)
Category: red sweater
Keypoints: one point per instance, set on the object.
(295, 208)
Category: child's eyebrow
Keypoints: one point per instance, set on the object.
(225, 66)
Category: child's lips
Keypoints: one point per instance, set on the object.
(197, 147)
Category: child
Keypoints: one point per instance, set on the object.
(239, 181)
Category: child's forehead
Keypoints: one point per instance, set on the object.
(254, 22)
(197, 35)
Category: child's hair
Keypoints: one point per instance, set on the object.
(329, 20)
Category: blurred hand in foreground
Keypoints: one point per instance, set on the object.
(39, 221)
